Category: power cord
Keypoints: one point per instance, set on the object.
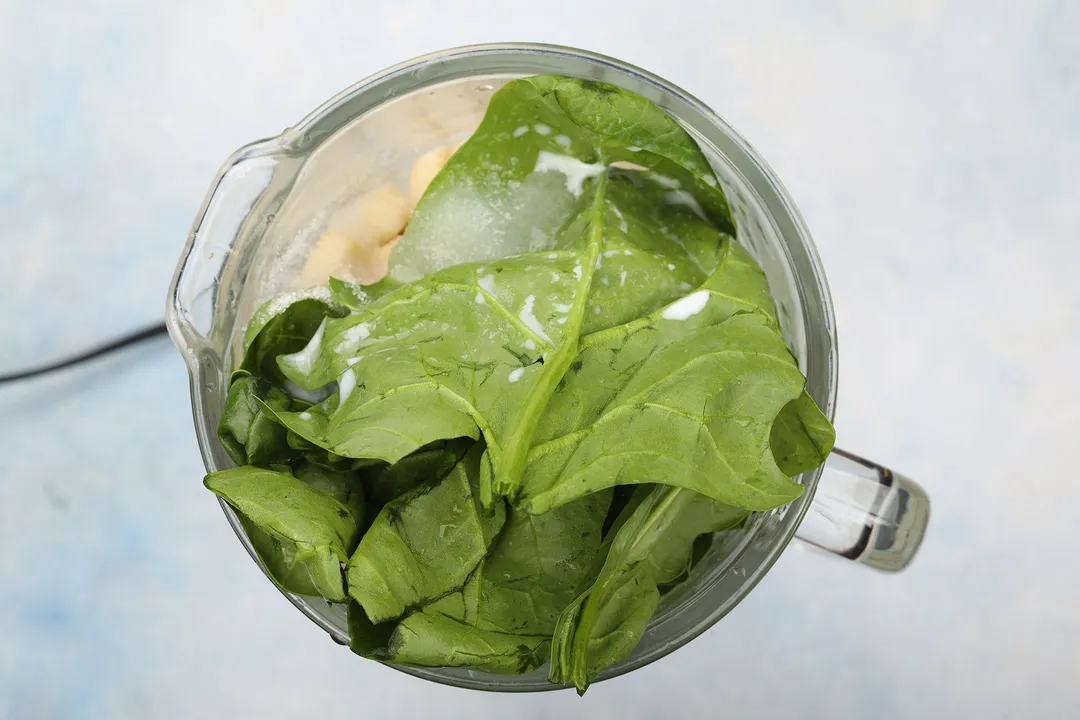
(133, 339)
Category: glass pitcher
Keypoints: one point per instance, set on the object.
(272, 198)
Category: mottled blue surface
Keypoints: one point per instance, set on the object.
(934, 148)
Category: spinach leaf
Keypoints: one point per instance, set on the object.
(316, 455)
(736, 284)
(343, 486)
(248, 434)
(347, 294)
(702, 545)
(432, 462)
(534, 162)
(301, 534)
(450, 356)
(284, 325)
(652, 546)
(693, 394)
(423, 544)
(802, 437)
(502, 620)
(690, 407)
(356, 297)
(367, 639)
(439, 639)
(252, 435)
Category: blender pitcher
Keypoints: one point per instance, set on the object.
(271, 198)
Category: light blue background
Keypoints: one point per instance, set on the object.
(934, 148)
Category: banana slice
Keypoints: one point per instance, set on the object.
(330, 256)
(374, 218)
(370, 263)
(424, 170)
(357, 244)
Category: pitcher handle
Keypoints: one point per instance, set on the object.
(865, 512)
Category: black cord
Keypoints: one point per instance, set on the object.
(132, 339)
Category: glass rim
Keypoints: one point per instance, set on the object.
(310, 131)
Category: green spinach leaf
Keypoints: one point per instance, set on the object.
(283, 325)
(536, 159)
(651, 546)
(348, 294)
(453, 355)
(501, 621)
(249, 435)
(802, 437)
(301, 533)
(343, 486)
(663, 401)
(695, 394)
(701, 547)
(433, 462)
(423, 544)
(367, 639)
(357, 297)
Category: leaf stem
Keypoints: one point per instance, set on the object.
(508, 474)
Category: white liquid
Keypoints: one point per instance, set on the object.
(303, 361)
(686, 307)
(575, 171)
